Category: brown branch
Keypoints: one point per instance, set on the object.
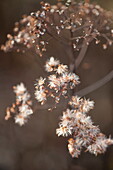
(54, 35)
(72, 65)
(96, 85)
(84, 47)
(81, 55)
(56, 38)
(80, 28)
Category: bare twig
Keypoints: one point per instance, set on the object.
(81, 55)
(96, 85)
(84, 48)
(72, 65)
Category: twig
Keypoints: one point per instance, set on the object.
(79, 28)
(84, 48)
(96, 85)
(81, 55)
(72, 64)
(56, 38)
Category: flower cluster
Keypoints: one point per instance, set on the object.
(77, 124)
(82, 105)
(87, 22)
(58, 82)
(22, 107)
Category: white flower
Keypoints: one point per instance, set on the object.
(98, 147)
(87, 105)
(41, 81)
(82, 120)
(74, 78)
(81, 104)
(71, 78)
(53, 81)
(74, 147)
(64, 131)
(24, 97)
(51, 63)
(19, 119)
(48, 68)
(67, 114)
(19, 88)
(40, 95)
(25, 110)
(75, 101)
(62, 69)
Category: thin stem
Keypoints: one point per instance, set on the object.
(54, 32)
(96, 85)
(38, 62)
(72, 65)
(80, 28)
(81, 55)
(84, 48)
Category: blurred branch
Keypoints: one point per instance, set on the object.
(84, 48)
(96, 85)
(59, 39)
(72, 65)
(81, 55)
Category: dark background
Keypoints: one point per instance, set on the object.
(35, 146)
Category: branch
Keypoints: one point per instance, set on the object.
(72, 64)
(80, 28)
(96, 85)
(81, 55)
(84, 48)
(59, 39)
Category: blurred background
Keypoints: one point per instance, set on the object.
(36, 146)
